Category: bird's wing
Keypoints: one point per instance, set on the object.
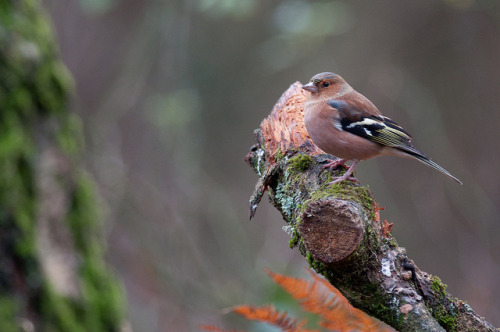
(379, 129)
(376, 128)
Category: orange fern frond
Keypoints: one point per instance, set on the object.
(270, 315)
(322, 298)
(213, 328)
(299, 288)
(317, 296)
(313, 298)
(355, 318)
(340, 297)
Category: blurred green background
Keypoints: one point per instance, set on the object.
(171, 91)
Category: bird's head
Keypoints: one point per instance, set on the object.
(326, 84)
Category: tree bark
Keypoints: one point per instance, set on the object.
(338, 229)
(53, 276)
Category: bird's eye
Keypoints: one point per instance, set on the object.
(326, 84)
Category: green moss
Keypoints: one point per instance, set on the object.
(34, 93)
(8, 311)
(300, 162)
(438, 287)
(100, 292)
(310, 259)
(347, 191)
(373, 239)
(379, 302)
(70, 136)
(59, 313)
(278, 156)
(391, 241)
(383, 312)
(377, 306)
(102, 297)
(295, 239)
(446, 320)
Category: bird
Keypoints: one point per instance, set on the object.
(346, 124)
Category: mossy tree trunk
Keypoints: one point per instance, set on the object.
(338, 229)
(53, 276)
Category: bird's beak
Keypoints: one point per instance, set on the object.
(310, 87)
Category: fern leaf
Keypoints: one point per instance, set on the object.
(320, 297)
(270, 315)
(213, 328)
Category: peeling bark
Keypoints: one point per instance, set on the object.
(337, 228)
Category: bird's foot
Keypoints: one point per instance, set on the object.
(332, 164)
(347, 175)
(343, 178)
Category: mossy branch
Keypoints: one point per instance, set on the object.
(53, 275)
(337, 228)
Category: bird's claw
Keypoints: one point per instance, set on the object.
(347, 174)
(332, 164)
(341, 178)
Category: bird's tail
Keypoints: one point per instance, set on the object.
(424, 159)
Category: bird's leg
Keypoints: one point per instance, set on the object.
(347, 175)
(335, 163)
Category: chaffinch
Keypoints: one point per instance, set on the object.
(344, 123)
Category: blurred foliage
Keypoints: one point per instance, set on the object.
(174, 112)
(98, 7)
(305, 19)
(235, 9)
(34, 92)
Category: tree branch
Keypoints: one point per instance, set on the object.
(337, 228)
(53, 271)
